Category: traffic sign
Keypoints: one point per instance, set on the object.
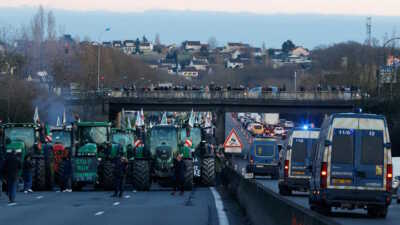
(233, 144)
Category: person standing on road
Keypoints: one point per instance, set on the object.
(219, 166)
(12, 166)
(27, 173)
(179, 174)
(1, 174)
(120, 168)
(67, 175)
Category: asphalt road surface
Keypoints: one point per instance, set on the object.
(346, 217)
(202, 206)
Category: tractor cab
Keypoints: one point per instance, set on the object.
(125, 139)
(63, 147)
(22, 138)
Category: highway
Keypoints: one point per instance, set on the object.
(157, 206)
(345, 217)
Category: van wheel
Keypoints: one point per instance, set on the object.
(377, 211)
(285, 191)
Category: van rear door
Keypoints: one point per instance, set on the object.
(369, 159)
(342, 157)
(298, 157)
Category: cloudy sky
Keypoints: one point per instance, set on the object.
(349, 7)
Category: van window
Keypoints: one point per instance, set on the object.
(342, 149)
(299, 150)
(264, 150)
(372, 149)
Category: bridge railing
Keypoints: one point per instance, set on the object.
(239, 95)
(220, 95)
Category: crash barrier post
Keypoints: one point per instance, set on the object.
(263, 206)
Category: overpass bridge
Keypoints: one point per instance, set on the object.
(309, 103)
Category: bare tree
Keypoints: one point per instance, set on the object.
(51, 26)
(212, 42)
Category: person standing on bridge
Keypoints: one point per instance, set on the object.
(12, 166)
(179, 174)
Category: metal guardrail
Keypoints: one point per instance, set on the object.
(223, 95)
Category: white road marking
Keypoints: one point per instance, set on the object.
(127, 196)
(39, 197)
(219, 205)
(116, 203)
(12, 204)
(134, 191)
(99, 213)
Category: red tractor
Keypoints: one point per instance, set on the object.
(62, 148)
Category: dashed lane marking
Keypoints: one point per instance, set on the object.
(219, 205)
(12, 204)
(39, 197)
(116, 203)
(99, 213)
(127, 196)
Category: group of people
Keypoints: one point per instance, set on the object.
(10, 168)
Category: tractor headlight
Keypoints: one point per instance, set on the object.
(98, 159)
(18, 150)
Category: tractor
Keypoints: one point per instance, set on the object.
(154, 161)
(24, 139)
(92, 161)
(63, 147)
(203, 154)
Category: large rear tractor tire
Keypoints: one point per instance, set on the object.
(141, 175)
(188, 185)
(107, 169)
(208, 172)
(39, 174)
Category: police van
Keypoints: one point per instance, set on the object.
(295, 170)
(264, 157)
(352, 167)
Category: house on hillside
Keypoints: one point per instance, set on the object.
(189, 72)
(231, 46)
(129, 47)
(192, 45)
(199, 65)
(300, 52)
(107, 44)
(235, 64)
(146, 47)
(117, 44)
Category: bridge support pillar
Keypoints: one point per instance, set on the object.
(220, 126)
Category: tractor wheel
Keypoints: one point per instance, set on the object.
(107, 169)
(188, 185)
(39, 174)
(141, 175)
(208, 172)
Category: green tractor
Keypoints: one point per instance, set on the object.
(154, 161)
(24, 139)
(92, 162)
(203, 155)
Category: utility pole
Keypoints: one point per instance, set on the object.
(98, 57)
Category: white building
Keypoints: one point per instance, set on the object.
(129, 47)
(201, 66)
(192, 45)
(234, 64)
(146, 47)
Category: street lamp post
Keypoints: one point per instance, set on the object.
(98, 57)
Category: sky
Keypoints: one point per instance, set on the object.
(347, 7)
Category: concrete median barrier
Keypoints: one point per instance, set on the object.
(264, 207)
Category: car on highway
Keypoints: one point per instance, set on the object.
(352, 167)
(257, 129)
(288, 124)
(279, 131)
(295, 170)
(264, 157)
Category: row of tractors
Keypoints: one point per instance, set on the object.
(92, 147)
